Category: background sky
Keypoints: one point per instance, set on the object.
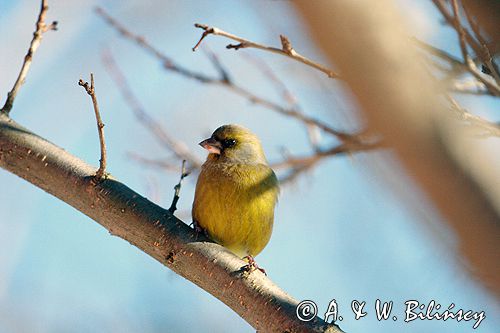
(341, 232)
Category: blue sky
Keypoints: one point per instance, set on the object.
(340, 232)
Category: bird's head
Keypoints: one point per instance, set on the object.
(234, 143)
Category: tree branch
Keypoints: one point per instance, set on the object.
(402, 105)
(348, 140)
(465, 38)
(223, 80)
(463, 48)
(484, 127)
(452, 60)
(152, 229)
(177, 188)
(297, 165)
(285, 50)
(485, 55)
(90, 89)
(178, 148)
(41, 28)
(167, 62)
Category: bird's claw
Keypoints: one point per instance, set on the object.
(252, 265)
(199, 230)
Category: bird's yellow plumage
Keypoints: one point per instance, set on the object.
(236, 192)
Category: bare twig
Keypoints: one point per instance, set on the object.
(476, 41)
(313, 133)
(495, 89)
(355, 141)
(167, 62)
(485, 54)
(297, 165)
(465, 38)
(486, 128)
(452, 60)
(458, 67)
(455, 69)
(157, 163)
(221, 70)
(100, 126)
(285, 50)
(293, 113)
(177, 188)
(470, 87)
(41, 28)
(223, 80)
(178, 148)
(450, 19)
(268, 72)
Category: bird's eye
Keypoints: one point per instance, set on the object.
(228, 143)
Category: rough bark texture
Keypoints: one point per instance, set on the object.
(367, 41)
(152, 229)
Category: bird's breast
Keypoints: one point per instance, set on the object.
(235, 204)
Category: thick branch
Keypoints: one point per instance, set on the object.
(403, 106)
(152, 229)
(41, 28)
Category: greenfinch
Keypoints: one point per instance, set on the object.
(236, 192)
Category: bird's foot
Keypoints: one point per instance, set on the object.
(199, 230)
(252, 265)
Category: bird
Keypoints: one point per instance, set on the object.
(236, 193)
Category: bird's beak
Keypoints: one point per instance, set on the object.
(213, 146)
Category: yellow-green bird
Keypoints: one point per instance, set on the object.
(236, 192)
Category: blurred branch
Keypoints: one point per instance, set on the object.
(492, 87)
(443, 55)
(486, 55)
(222, 80)
(167, 62)
(161, 164)
(484, 127)
(268, 72)
(466, 38)
(178, 148)
(297, 165)
(472, 87)
(407, 117)
(469, 87)
(41, 28)
(455, 69)
(90, 89)
(153, 230)
(285, 50)
(348, 140)
(450, 20)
